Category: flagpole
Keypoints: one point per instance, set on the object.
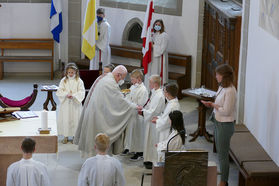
(59, 57)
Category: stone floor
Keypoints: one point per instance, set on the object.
(64, 166)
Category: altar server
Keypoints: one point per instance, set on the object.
(103, 53)
(159, 63)
(102, 169)
(134, 133)
(154, 107)
(162, 121)
(27, 171)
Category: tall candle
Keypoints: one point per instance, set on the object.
(44, 119)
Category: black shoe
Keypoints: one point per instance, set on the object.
(227, 184)
(148, 164)
(139, 153)
(125, 152)
(136, 157)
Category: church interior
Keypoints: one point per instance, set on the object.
(202, 34)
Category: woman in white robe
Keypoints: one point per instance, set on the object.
(71, 92)
(159, 63)
(176, 138)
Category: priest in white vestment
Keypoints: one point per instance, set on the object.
(70, 93)
(159, 63)
(102, 169)
(162, 121)
(105, 110)
(154, 107)
(27, 171)
(134, 133)
(103, 53)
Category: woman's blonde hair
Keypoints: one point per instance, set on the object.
(102, 142)
(71, 66)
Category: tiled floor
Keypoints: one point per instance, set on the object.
(64, 166)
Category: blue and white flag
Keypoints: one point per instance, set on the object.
(56, 26)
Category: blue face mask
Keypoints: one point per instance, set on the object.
(157, 27)
(99, 19)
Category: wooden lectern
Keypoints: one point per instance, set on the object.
(182, 168)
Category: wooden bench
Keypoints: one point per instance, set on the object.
(256, 168)
(183, 79)
(25, 44)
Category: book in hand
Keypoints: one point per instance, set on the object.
(25, 114)
(50, 87)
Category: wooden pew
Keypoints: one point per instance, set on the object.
(26, 44)
(183, 79)
(256, 168)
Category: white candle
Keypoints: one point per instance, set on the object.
(44, 119)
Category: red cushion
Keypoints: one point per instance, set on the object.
(19, 103)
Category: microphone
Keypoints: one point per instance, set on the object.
(180, 132)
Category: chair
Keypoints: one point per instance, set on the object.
(88, 77)
(24, 104)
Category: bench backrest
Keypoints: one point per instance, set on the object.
(179, 60)
(136, 53)
(128, 52)
(40, 44)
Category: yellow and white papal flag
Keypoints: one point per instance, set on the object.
(90, 33)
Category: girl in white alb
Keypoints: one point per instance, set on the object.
(71, 92)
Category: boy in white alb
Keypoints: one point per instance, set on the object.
(27, 171)
(154, 107)
(134, 134)
(162, 121)
(102, 169)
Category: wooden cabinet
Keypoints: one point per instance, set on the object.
(221, 39)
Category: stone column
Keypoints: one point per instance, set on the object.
(242, 62)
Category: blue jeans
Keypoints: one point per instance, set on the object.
(222, 134)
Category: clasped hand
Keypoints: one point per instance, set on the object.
(69, 95)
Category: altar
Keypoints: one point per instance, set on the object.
(13, 132)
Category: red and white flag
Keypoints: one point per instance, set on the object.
(146, 36)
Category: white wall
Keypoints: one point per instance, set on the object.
(182, 30)
(262, 85)
(31, 20)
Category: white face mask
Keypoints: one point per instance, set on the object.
(73, 77)
(120, 82)
(136, 84)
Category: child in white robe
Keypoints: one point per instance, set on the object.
(27, 172)
(101, 169)
(176, 137)
(154, 107)
(134, 134)
(159, 63)
(70, 93)
(162, 121)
